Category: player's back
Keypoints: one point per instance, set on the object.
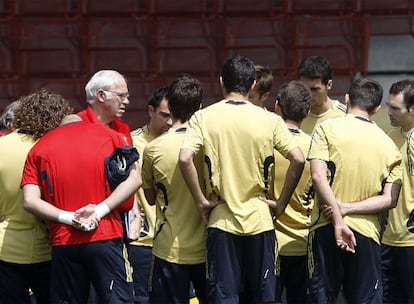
(361, 157)
(238, 140)
(181, 233)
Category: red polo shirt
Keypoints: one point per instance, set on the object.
(67, 163)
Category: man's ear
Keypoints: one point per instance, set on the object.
(253, 85)
(376, 109)
(278, 110)
(151, 110)
(329, 84)
(101, 96)
(265, 95)
(346, 99)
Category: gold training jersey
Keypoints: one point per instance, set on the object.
(311, 121)
(292, 226)
(23, 238)
(180, 233)
(141, 137)
(237, 139)
(399, 230)
(360, 157)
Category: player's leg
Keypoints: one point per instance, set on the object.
(325, 269)
(14, 286)
(405, 274)
(140, 258)
(170, 282)
(39, 275)
(260, 264)
(110, 271)
(69, 280)
(198, 277)
(293, 277)
(362, 277)
(388, 271)
(224, 267)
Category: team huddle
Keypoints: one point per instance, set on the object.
(231, 203)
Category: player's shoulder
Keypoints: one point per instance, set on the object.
(302, 135)
(339, 106)
(137, 132)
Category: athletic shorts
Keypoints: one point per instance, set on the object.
(104, 263)
(233, 259)
(292, 277)
(398, 274)
(140, 259)
(329, 268)
(170, 282)
(16, 279)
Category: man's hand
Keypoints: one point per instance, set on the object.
(86, 218)
(327, 210)
(205, 208)
(345, 238)
(277, 208)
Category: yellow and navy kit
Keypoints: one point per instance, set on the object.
(369, 151)
(399, 230)
(311, 121)
(180, 233)
(238, 139)
(292, 226)
(140, 138)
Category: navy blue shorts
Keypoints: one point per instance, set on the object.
(170, 282)
(103, 263)
(140, 259)
(16, 279)
(233, 260)
(398, 274)
(329, 268)
(292, 277)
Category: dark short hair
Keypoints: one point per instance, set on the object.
(315, 67)
(264, 79)
(365, 94)
(7, 116)
(294, 100)
(156, 96)
(406, 87)
(184, 97)
(238, 75)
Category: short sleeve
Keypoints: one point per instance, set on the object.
(194, 139)
(147, 161)
(319, 144)
(30, 170)
(283, 139)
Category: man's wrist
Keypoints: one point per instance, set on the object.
(66, 217)
(102, 209)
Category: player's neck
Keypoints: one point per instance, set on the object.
(153, 130)
(292, 124)
(176, 124)
(358, 112)
(324, 107)
(236, 96)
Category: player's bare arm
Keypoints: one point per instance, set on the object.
(344, 236)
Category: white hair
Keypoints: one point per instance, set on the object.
(104, 79)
